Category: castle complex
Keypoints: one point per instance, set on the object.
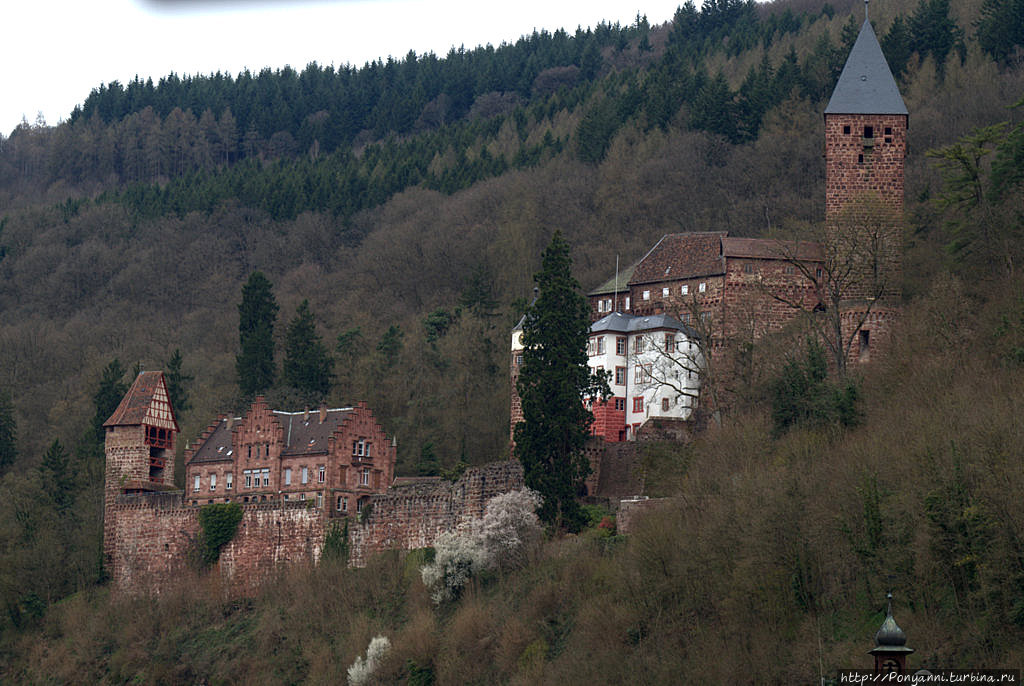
(723, 292)
(295, 475)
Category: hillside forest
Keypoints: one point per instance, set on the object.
(397, 212)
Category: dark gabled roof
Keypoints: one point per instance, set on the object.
(217, 446)
(681, 256)
(303, 434)
(772, 249)
(615, 285)
(145, 402)
(866, 85)
(617, 322)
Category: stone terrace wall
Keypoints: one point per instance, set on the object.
(153, 536)
(413, 516)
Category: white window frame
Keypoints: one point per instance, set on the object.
(195, 484)
(248, 478)
(664, 292)
(702, 287)
(213, 481)
(647, 295)
(364, 477)
(229, 481)
(684, 289)
(305, 475)
(266, 477)
(321, 474)
(287, 476)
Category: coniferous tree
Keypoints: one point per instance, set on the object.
(177, 382)
(8, 432)
(257, 314)
(55, 470)
(308, 365)
(553, 381)
(108, 396)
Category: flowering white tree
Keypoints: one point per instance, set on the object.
(361, 670)
(497, 541)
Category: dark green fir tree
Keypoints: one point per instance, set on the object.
(8, 432)
(308, 366)
(108, 396)
(177, 383)
(257, 314)
(553, 382)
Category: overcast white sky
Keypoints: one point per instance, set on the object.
(53, 53)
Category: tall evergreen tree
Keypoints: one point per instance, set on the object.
(257, 314)
(108, 396)
(55, 470)
(308, 365)
(177, 382)
(553, 381)
(8, 432)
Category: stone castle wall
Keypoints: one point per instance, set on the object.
(151, 537)
(154, 536)
(413, 516)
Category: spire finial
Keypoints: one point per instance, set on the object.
(866, 10)
(888, 596)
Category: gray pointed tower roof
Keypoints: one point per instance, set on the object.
(866, 85)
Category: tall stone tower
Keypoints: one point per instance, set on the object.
(865, 146)
(139, 446)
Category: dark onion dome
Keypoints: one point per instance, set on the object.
(890, 639)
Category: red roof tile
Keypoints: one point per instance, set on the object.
(682, 256)
(145, 400)
(772, 249)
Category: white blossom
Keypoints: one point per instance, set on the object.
(361, 670)
(495, 541)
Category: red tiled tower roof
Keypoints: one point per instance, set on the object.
(146, 402)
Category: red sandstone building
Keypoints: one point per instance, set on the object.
(339, 456)
(733, 290)
(730, 288)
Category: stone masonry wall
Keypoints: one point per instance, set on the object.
(153, 535)
(413, 516)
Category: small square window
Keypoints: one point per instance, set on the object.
(869, 132)
(647, 295)
(748, 269)
(684, 289)
(846, 129)
(702, 287)
(664, 292)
